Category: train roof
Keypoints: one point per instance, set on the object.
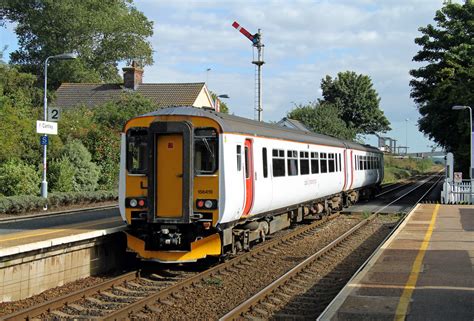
(236, 124)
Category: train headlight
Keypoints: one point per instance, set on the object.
(206, 204)
(135, 202)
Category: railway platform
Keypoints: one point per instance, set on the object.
(39, 254)
(424, 271)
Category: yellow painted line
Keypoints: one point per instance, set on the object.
(51, 231)
(411, 283)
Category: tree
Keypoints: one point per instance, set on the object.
(322, 118)
(357, 101)
(446, 77)
(101, 32)
(223, 106)
(19, 101)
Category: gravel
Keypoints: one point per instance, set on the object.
(219, 294)
(15, 306)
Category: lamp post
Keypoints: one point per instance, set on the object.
(406, 135)
(44, 183)
(217, 103)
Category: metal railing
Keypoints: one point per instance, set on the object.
(457, 192)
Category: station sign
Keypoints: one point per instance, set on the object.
(54, 113)
(46, 127)
(44, 140)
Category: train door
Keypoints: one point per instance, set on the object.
(169, 164)
(170, 175)
(346, 171)
(351, 168)
(249, 176)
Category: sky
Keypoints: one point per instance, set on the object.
(194, 41)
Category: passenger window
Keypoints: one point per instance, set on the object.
(324, 163)
(137, 142)
(361, 163)
(205, 151)
(247, 162)
(292, 162)
(314, 163)
(340, 163)
(239, 158)
(304, 163)
(331, 164)
(264, 159)
(278, 162)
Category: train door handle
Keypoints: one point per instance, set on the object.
(179, 175)
(143, 186)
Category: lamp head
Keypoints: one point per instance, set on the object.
(223, 96)
(69, 55)
(458, 107)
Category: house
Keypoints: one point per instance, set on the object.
(70, 95)
(293, 124)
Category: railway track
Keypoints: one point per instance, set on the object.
(306, 290)
(148, 296)
(128, 294)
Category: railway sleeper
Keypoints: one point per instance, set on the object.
(116, 298)
(285, 316)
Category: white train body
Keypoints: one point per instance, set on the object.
(260, 172)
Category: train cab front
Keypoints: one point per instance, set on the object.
(172, 188)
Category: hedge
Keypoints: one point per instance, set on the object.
(29, 203)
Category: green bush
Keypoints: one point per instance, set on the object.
(16, 178)
(28, 203)
(61, 175)
(86, 173)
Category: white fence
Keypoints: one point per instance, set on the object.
(457, 193)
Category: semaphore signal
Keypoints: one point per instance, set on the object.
(257, 43)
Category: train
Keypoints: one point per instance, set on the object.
(197, 184)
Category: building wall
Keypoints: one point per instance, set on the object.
(203, 100)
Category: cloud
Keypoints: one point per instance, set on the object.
(304, 41)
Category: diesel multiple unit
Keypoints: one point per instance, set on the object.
(195, 183)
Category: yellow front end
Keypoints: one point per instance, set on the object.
(174, 224)
(209, 246)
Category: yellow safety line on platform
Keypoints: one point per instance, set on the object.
(71, 227)
(411, 283)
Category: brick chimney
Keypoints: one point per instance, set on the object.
(132, 76)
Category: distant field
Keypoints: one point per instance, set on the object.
(401, 168)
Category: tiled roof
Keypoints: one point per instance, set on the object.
(70, 94)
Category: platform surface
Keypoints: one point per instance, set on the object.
(423, 272)
(20, 239)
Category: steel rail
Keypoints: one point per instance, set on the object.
(134, 307)
(407, 193)
(403, 183)
(246, 305)
(29, 313)
(57, 303)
